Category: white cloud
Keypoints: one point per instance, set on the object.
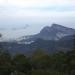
(36, 13)
(36, 8)
(35, 3)
(3, 2)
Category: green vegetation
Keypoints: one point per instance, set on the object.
(39, 63)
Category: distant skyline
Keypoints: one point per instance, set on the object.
(25, 17)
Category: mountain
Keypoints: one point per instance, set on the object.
(48, 46)
(55, 32)
(50, 39)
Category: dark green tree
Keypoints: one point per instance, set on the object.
(5, 63)
(70, 60)
(41, 60)
(22, 64)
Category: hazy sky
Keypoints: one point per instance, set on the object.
(25, 17)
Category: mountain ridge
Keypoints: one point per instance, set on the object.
(54, 32)
(50, 39)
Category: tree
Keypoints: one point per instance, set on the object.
(22, 64)
(70, 60)
(5, 63)
(41, 60)
(59, 61)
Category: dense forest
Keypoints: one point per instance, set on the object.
(39, 63)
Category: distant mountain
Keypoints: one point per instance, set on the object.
(48, 46)
(55, 32)
(50, 39)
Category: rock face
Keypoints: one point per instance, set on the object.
(55, 32)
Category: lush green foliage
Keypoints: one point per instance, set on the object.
(39, 63)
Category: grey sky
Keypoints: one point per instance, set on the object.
(26, 17)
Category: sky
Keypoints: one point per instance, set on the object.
(27, 17)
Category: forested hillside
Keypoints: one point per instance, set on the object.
(39, 63)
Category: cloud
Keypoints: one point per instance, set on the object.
(20, 28)
(39, 12)
(23, 27)
(35, 3)
(36, 8)
(15, 14)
